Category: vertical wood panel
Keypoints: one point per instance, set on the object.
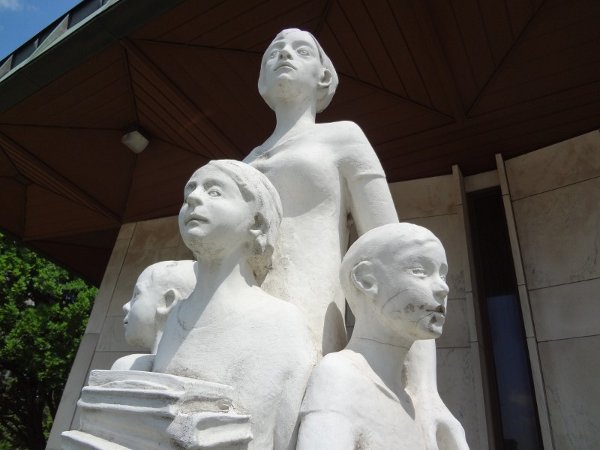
(375, 49)
(451, 40)
(346, 36)
(497, 26)
(475, 40)
(330, 43)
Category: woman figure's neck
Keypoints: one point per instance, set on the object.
(291, 117)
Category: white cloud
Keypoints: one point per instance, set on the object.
(12, 5)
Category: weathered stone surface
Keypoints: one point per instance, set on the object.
(556, 166)
(559, 233)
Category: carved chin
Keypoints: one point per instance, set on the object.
(430, 327)
(435, 325)
(285, 90)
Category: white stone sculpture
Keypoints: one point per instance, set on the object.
(236, 344)
(230, 331)
(157, 290)
(326, 173)
(394, 280)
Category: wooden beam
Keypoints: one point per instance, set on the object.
(440, 59)
(209, 133)
(37, 171)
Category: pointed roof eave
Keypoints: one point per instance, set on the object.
(69, 41)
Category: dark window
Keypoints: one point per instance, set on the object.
(23, 52)
(83, 10)
(507, 371)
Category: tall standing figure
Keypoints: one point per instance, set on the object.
(325, 173)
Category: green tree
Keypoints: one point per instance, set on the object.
(43, 314)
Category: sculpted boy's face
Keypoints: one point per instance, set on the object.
(214, 214)
(140, 313)
(291, 67)
(413, 293)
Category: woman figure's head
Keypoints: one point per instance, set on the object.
(295, 66)
(230, 206)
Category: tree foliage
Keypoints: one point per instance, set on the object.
(43, 314)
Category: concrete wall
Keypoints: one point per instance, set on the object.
(555, 196)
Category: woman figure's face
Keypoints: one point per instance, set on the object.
(214, 216)
(292, 69)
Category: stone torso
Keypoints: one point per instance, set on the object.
(344, 385)
(306, 171)
(232, 343)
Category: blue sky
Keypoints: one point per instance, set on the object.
(20, 20)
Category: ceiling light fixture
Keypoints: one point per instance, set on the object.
(135, 141)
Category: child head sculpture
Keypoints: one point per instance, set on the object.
(292, 47)
(158, 288)
(394, 277)
(229, 203)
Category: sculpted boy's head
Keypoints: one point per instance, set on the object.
(293, 64)
(396, 276)
(229, 205)
(158, 288)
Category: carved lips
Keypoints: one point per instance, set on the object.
(441, 309)
(195, 218)
(284, 65)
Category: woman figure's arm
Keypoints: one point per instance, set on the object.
(369, 199)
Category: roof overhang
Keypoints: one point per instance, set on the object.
(432, 84)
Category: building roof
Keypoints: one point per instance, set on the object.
(432, 83)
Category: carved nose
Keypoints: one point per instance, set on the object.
(284, 53)
(194, 198)
(441, 291)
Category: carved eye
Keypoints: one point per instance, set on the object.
(273, 53)
(418, 271)
(214, 192)
(303, 51)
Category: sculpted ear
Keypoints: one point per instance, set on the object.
(170, 298)
(259, 231)
(363, 278)
(326, 79)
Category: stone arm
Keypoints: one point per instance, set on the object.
(288, 410)
(326, 430)
(326, 418)
(301, 362)
(141, 362)
(441, 430)
(369, 201)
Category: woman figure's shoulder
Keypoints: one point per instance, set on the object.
(343, 131)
